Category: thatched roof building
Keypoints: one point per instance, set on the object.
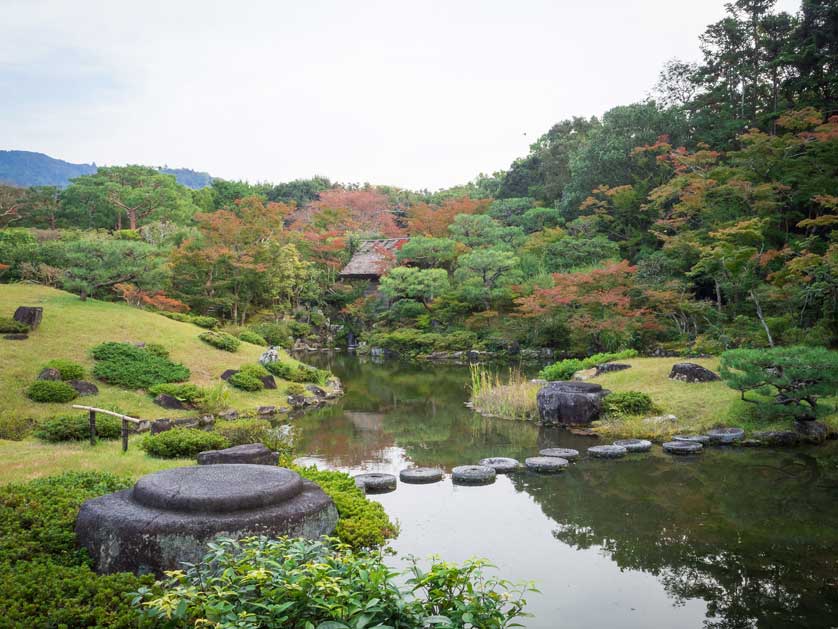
(373, 259)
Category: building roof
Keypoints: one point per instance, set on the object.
(373, 258)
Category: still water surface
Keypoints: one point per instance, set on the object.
(733, 538)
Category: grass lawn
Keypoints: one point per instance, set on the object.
(29, 459)
(71, 327)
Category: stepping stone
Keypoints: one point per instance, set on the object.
(725, 435)
(702, 439)
(634, 445)
(607, 452)
(420, 475)
(682, 447)
(568, 454)
(501, 464)
(376, 482)
(546, 464)
(473, 475)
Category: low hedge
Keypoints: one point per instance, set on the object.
(185, 392)
(564, 369)
(221, 340)
(67, 368)
(298, 373)
(249, 378)
(202, 321)
(51, 391)
(249, 336)
(77, 428)
(132, 367)
(182, 443)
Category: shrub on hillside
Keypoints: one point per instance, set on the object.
(10, 326)
(77, 428)
(249, 378)
(182, 442)
(15, 427)
(564, 369)
(201, 321)
(185, 392)
(220, 340)
(274, 333)
(249, 336)
(131, 367)
(295, 388)
(298, 373)
(54, 391)
(241, 431)
(628, 403)
(67, 368)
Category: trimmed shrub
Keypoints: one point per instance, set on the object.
(51, 391)
(185, 392)
(298, 373)
(628, 403)
(274, 333)
(131, 367)
(241, 431)
(295, 388)
(77, 428)
(67, 368)
(220, 340)
(15, 427)
(564, 369)
(10, 326)
(182, 442)
(249, 336)
(249, 377)
(202, 321)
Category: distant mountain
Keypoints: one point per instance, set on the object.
(26, 168)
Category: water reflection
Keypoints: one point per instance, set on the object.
(736, 538)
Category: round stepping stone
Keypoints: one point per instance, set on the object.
(376, 482)
(501, 464)
(682, 447)
(702, 439)
(607, 452)
(725, 435)
(473, 475)
(420, 475)
(568, 454)
(546, 464)
(634, 445)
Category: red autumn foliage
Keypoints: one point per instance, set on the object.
(156, 300)
(424, 219)
(367, 211)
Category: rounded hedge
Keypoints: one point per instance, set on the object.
(221, 340)
(77, 428)
(182, 443)
(132, 367)
(67, 368)
(249, 336)
(54, 391)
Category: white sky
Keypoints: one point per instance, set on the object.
(421, 94)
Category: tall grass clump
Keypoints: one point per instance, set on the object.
(512, 398)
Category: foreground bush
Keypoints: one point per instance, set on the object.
(221, 340)
(131, 367)
(67, 368)
(53, 391)
(302, 584)
(45, 581)
(790, 379)
(182, 443)
(628, 403)
(199, 320)
(77, 428)
(564, 369)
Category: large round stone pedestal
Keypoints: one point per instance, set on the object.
(170, 516)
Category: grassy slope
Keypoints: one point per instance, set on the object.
(71, 327)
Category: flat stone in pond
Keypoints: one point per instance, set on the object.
(546, 464)
(634, 445)
(501, 464)
(725, 435)
(702, 439)
(778, 438)
(376, 482)
(420, 475)
(607, 452)
(169, 517)
(682, 447)
(568, 454)
(473, 475)
(251, 453)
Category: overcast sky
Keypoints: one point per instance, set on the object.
(421, 94)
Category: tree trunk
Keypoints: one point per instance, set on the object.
(718, 295)
(762, 319)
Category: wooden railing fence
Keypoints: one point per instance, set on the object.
(92, 416)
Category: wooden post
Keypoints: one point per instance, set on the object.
(124, 435)
(92, 415)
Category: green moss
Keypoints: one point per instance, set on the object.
(182, 442)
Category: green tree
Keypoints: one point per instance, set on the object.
(421, 285)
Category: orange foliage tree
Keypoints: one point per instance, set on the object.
(424, 219)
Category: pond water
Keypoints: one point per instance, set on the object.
(734, 538)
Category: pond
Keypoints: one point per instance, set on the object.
(734, 538)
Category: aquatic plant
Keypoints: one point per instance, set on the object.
(512, 398)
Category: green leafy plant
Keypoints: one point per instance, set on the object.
(790, 380)
(157, 350)
(249, 336)
(221, 340)
(242, 431)
(249, 378)
(185, 392)
(10, 326)
(298, 373)
(54, 391)
(14, 426)
(77, 428)
(131, 367)
(182, 442)
(216, 399)
(564, 369)
(295, 388)
(274, 333)
(628, 403)
(67, 368)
